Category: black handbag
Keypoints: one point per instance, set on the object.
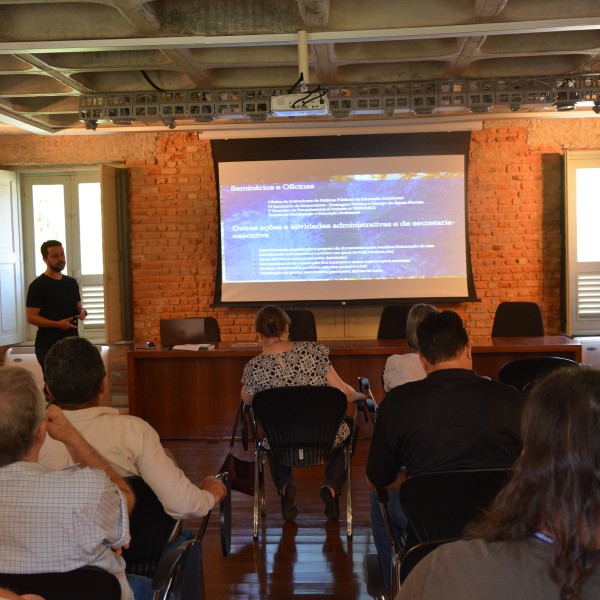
(241, 472)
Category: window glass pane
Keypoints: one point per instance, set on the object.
(90, 232)
(48, 219)
(588, 214)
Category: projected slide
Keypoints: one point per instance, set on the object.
(343, 228)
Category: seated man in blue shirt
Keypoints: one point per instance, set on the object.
(452, 419)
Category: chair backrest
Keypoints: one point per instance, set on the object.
(151, 528)
(303, 327)
(180, 574)
(523, 371)
(518, 319)
(392, 323)
(91, 583)
(191, 330)
(440, 505)
(300, 423)
(416, 554)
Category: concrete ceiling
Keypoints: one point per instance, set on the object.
(53, 52)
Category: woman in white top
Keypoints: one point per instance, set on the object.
(402, 368)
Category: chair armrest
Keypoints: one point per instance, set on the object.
(167, 567)
(225, 517)
(368, 405)
(382, 500)
(244, 424)
(248, 417)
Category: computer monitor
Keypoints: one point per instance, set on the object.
(193, 330)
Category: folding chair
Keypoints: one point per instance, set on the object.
(151, 529)
(518, 319)
(438, 506)
(179, 575)
(392, 323)
(523, 371)
(91, 583)
(300, 424)
(416, 554)
(303, 327)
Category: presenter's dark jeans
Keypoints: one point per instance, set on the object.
(40, 354)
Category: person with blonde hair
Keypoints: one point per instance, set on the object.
(283, 363)
(541, 537)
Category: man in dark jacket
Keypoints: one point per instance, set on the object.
(452, 419)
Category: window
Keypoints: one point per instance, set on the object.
(67, 207)
(582, 176)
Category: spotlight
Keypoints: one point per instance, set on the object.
(91, 124)
(596, 107)
(170, 123)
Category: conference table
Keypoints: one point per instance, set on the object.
(195, 394)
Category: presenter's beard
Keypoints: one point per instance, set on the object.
(58, 268)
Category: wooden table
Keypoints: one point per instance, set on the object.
(191, 395)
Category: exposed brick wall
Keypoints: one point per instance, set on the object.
(174, 237)
(514, 215)
(514, 210)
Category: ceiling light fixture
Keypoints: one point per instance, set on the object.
(91, 124)
(596, 107)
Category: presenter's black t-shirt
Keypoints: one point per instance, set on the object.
(57, 299)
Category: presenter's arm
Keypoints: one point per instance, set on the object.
(82, 312)
(34, 318)
(61, 429)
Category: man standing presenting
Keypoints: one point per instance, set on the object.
(53, 302)
(452, 419)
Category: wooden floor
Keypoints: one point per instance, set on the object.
(311, 557)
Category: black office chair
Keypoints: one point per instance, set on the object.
(300, 424)
(392, 323)
(180, 575)
(91, 583)
(151, 529)
(416, 554)
(303, 327)
(518, 319)
(438, 506)
(522, 372)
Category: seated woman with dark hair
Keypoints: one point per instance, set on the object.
(282, 364)
(541, 537)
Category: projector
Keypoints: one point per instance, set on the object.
(308, 104)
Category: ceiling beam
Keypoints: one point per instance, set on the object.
(281, 39)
